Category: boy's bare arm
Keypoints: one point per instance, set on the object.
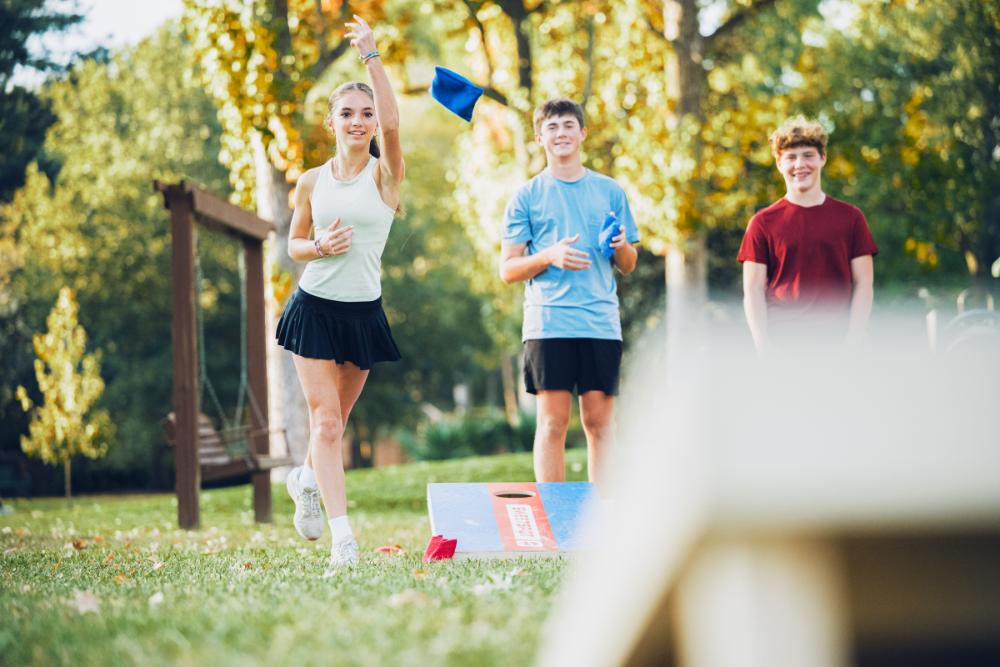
(626, 255)
(755, 303)
(862, 277)
(515, 266)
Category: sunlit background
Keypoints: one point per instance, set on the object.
(680, 97)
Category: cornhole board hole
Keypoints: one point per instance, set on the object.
(509, 520)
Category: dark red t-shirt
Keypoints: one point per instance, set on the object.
(808, 253)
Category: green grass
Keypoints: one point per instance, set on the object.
(238, 593)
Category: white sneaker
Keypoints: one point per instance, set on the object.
(308, 517)
(344, 553)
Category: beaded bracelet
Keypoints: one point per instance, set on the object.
(319, 248)
(368, 56)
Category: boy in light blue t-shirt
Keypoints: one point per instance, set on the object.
(572, 327)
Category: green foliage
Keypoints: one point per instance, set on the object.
(65, 424)
(98, 227)
(88, 584)
(22, 20)
(472, 432)
(911, 92)
(24, 117)
(908, 89)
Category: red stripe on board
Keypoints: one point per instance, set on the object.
(521, 521)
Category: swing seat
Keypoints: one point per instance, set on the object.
(215, 461)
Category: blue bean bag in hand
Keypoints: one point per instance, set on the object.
(609, 230)
(455, 92)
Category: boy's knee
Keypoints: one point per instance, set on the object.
(552, 425)
(596, 424)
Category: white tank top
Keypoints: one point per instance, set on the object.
(355, 275)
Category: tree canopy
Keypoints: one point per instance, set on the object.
(680, 97)
(24, 116)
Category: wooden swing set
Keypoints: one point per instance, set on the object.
(242, 447)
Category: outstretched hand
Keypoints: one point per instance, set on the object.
(566, 257)
(361, 35)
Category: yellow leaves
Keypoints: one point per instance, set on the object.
(924, 252)
(70, 383)
(727, 168)
(259, 83)
(23, 398)
(870, 154)
(282, 283)
(839, 167)
(719, 81)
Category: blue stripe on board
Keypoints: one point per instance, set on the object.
(464, 512)
(565, 503)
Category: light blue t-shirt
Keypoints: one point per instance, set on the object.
(560, 303)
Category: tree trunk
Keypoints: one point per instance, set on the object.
(67, 479)
(687, 292)
(518, 13)
(686, 262)
(286, 402)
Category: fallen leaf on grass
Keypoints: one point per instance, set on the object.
(248, 565)
(108, 559)
(85, 601)
(55, 568)
(79, 545)
(98, 539)
(390, 549)
(420, 574)
(121, 578)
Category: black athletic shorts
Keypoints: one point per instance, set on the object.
(581, 364)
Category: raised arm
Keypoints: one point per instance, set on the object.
(386, 109)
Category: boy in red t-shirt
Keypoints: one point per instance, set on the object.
(807, 258)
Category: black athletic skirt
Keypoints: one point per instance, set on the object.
(319, 328)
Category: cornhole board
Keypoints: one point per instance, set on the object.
(509, 520)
